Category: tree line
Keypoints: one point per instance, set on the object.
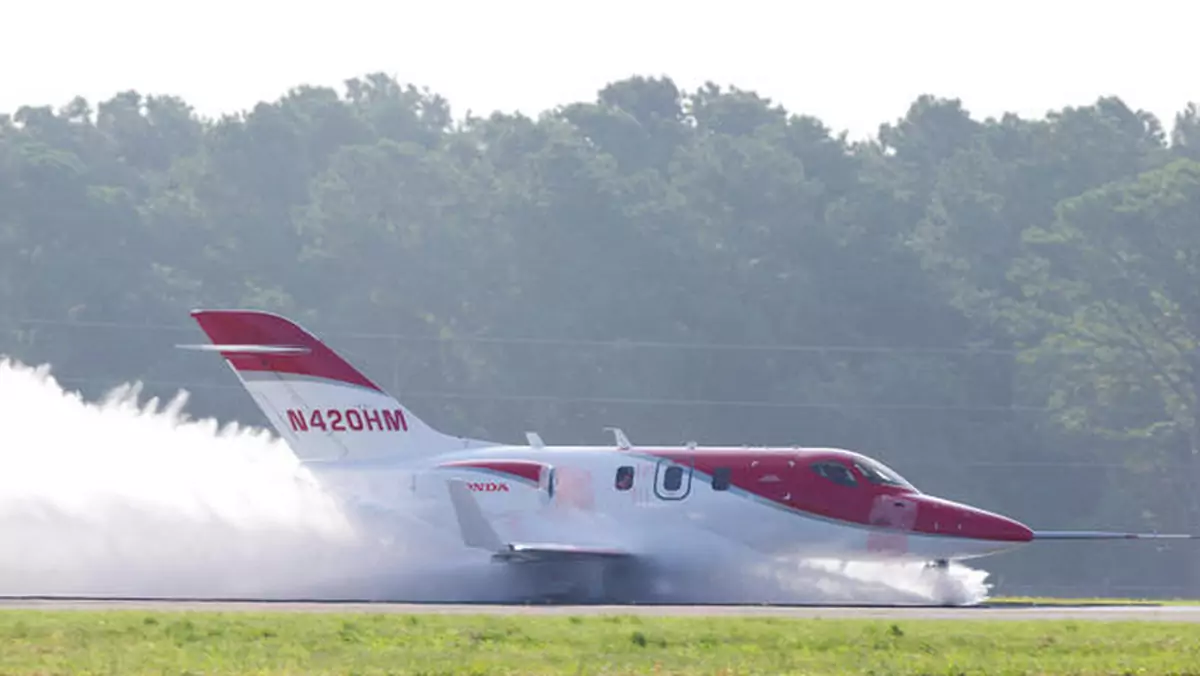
(1007, 311)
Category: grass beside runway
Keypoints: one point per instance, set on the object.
(137, 642)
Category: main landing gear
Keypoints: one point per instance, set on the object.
(938, 564)
(593, 582)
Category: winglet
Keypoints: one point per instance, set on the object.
(475, 529)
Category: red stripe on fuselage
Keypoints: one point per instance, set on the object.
(242, 327)
(521, 469)
(786, 477)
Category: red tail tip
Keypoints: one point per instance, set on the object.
(255, 327)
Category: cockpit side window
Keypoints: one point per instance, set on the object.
(880, 475)
(835, 472)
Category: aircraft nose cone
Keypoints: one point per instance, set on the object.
(942, 516)
(988, 526)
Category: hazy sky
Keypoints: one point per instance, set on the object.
(853, 63)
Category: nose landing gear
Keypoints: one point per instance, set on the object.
(943, 588)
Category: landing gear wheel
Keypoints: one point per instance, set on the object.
(945, 591)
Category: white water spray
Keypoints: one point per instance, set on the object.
(124, 498)
(731, 575)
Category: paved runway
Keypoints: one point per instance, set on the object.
(1124, 613)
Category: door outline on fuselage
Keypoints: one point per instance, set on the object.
(685, 482)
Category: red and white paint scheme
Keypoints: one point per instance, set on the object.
(579, 504)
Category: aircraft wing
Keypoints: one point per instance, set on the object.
(478, 533)
(1107, 535)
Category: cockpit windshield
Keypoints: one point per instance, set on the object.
(879, 473)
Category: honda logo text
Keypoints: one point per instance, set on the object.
(487, 486)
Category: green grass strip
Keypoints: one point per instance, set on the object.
(136, 642)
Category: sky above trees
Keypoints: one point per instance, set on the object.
(853, 63)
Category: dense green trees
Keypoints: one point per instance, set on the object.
(1007, 311)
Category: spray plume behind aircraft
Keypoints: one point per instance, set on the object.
(120, 497)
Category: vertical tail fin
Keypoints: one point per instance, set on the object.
(321, 405)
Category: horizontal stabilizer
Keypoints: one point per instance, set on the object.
(1107, 535)
(282, 350)
(478, 533)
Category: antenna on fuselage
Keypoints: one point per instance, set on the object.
(622, 440)
(535, 440)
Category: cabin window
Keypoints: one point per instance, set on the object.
(720, 479)
(835, 472)
(624, 480)
(673, 478)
